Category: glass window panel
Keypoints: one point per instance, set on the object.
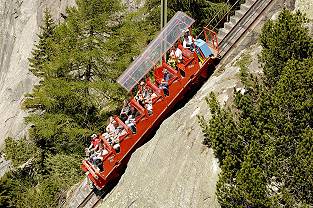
(172, 31)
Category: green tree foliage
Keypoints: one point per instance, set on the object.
(264, 144)
(201, 10)
(43, 51)
(288, 34)
(20, 151)
(78, 62)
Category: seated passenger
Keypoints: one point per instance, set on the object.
(114, 141)
(111, 127)
(139, 98)
(95, 140)
(187, 42)
(131, 123)
(164, 86)
(166, 75)
(117, 147)
(148, 105)
(146, 92)
(172, 58)
(178, 55)
(119, 130)
(97, 158)
(126, 111)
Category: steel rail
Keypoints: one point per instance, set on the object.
(243, 25)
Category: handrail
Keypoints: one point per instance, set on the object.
(217, 15)
(237, 23)
(257, 2)
(225, 14)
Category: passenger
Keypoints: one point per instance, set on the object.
(147, 92)
(172, 58)
(153, 96)
(172, 52)
(126, 111)
(95, 140)
(148, 105)
(164, 86)
(111, 127)
(113, 140)
(97, 161)
(166, 75)
(106, 135)
(131, 123)
(119, 130)
(117, 146)
(139, 97)
(178, 55)
(187, 42)
(97, 158)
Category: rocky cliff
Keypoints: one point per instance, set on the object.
(19, 23)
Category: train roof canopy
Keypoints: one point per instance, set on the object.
(172, 31)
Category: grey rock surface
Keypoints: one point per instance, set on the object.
(305, 6)
(19, 24)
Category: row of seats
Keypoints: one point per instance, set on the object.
(148, 93)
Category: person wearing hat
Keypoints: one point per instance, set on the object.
(188, 41)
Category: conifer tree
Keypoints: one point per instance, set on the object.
(282, 40)
(265, 147)
(43, 51)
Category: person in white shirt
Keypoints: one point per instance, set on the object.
(187, 43)
(178, 55)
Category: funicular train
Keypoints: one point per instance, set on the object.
(178, 79)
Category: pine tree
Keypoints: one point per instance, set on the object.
(282, 40)
(264, 143)
(43, 51)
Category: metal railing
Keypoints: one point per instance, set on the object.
(249, 15)
(218, 15)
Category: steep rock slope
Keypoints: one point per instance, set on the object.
(19, 23)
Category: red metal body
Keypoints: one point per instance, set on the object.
(187, 73)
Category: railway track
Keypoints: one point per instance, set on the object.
(88, 198)
(247, 22)
(85, 197)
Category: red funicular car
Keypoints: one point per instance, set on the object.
(193, 66)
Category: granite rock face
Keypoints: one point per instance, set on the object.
(19, 24)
